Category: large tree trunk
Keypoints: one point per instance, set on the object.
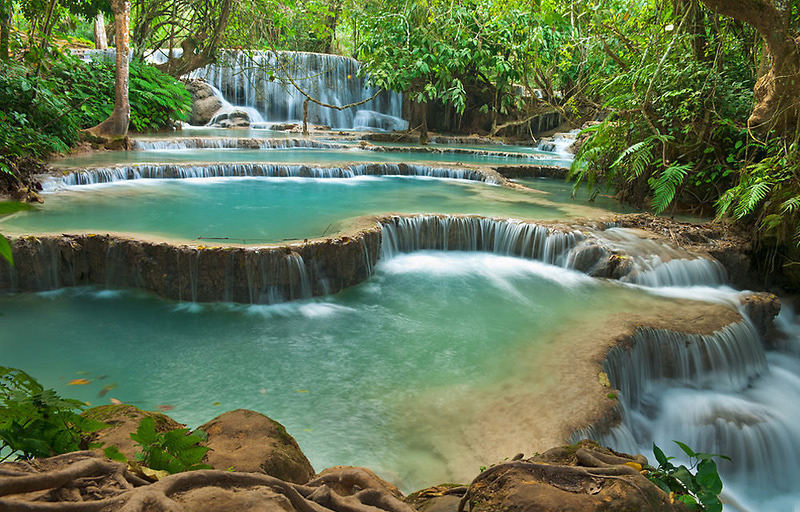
(116, 126)
(777, 93)
(100, 40)
(6, 11)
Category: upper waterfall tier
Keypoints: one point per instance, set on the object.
(259, 80)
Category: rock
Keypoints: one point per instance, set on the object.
(257, 499)
(232, 118)
(761, 309)
(439, 498)
(122, 421)
(251, 442)
(347, 480)
(205, 102)
(563, 480)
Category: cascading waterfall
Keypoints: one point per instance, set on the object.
(182, 171)
(499, 236)
(720, 393)
(235, 143)
(258, 80)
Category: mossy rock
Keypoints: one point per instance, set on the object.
(248, 441)
(122, 421)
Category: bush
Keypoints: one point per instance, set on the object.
(36, 422)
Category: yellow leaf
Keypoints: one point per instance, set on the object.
(634, 465)
(603, 377)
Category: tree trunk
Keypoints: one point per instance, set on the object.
(5, 28)
(100, 41)
(777, 93)
(116, 126)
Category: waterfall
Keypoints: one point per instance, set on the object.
(257, 80)
(499, 236)
(217, 170)
(235, 143)
(720, 393)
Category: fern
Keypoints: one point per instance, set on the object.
(666, 184)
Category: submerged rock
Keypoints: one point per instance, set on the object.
(250, 442)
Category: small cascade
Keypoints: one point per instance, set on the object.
(719, 393)
(558, 143)
(653, 263)
(234, 143)
(681, 272)
(299, 282)
(727, 360)
(450, 233)
(182, 171)
(258, 80)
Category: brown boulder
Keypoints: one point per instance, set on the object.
(122, 421)
(578, 478)
(250, 442)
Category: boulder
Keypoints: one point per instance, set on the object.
(578, 478)
(233, 117)
(122, 421)
(250, 442)
(205, 101)
(761, 309)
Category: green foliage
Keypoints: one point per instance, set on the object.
(42, 114)
(7, 207)
(698, 486)
(174, 451)
(36, 422)
(767, 196)
(155, 97)
(478, 53)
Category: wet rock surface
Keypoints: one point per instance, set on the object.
(205, 103)
(579, 478)
(248, 441)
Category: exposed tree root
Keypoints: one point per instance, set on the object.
(85, 482)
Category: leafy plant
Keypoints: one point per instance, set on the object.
(700, 489)
(173, 451)
(36, 422)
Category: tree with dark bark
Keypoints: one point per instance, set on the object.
(777, 92)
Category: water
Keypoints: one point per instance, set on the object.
(259, 80)
(291, 156)
(351, 376)
(259, 210)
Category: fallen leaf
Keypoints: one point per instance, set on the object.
(165, 407)
(263, 391)
(106, 389)
(302, 391)
(78, 382)
(115, 401)
(216, 404)
(603, 377)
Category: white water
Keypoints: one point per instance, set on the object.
(258, 80)
(724, 393)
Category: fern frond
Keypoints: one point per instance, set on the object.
(666, 184)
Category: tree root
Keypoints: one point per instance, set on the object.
(105, 485)
(594, 465)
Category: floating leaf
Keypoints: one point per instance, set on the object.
(78, 382)
(302, 391)
(115, 401)
(165, 407)
(106, 389)
(216, 404)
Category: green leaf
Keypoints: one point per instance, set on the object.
(708, 477)
(145, 434)
(5, 250)
(660, 457)
(113, 453)
(688, 451)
